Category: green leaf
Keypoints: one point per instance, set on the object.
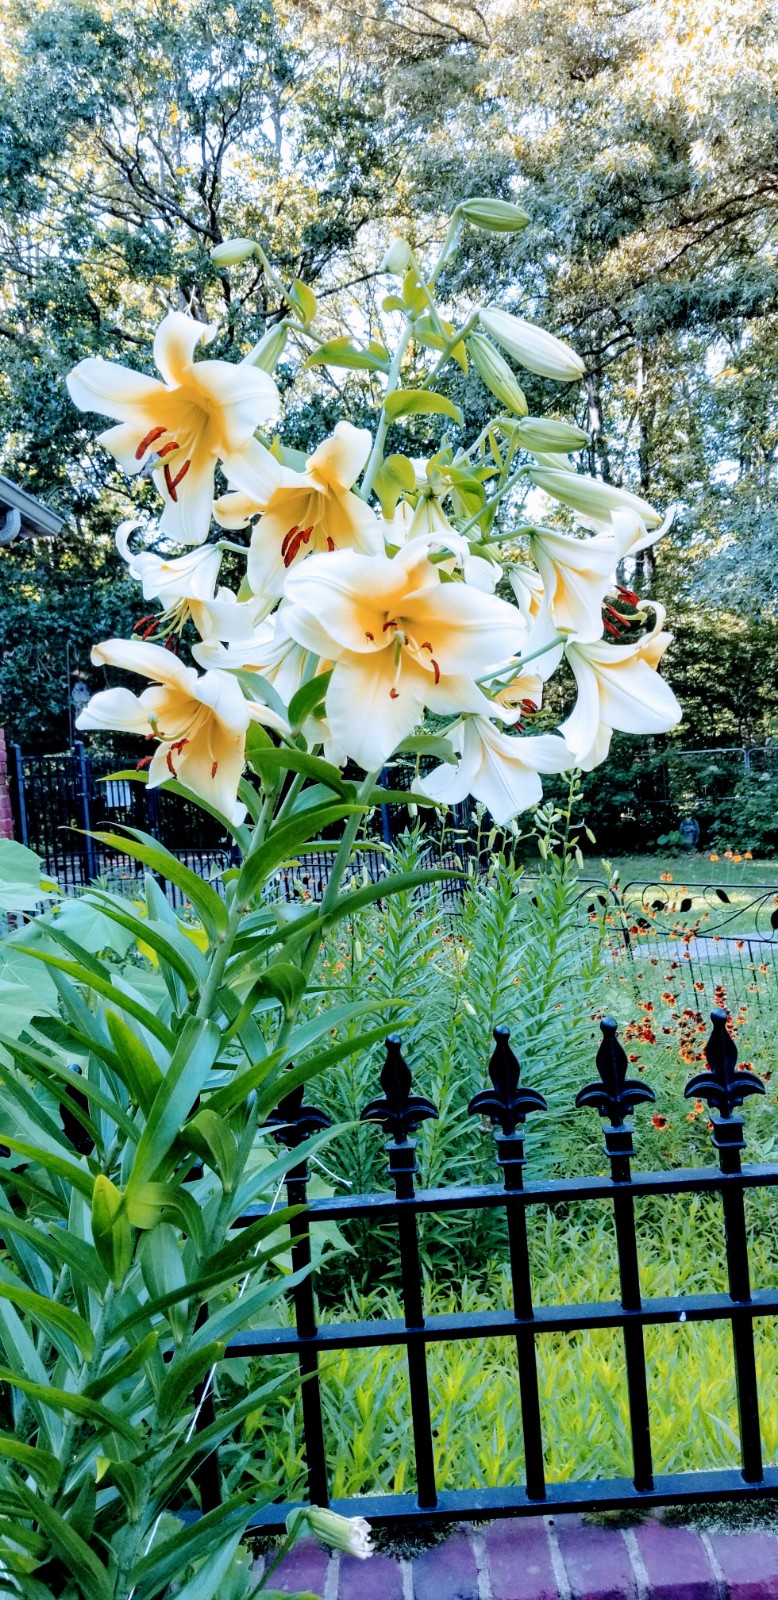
(411, 402)
(429, 744)
(136, 1065)
(77, 1176)
(181, 1376)
(342, 353)
(109, 991)
(211, 1139)
(174, 786)
(110, 1377)
(60, 1400)
(111, 1229)
(142, 847)
(79, 1559)
(280, 759)
(304, 299)
(285, 839)
(191, 1062)
(61, 1247)
(307, 698)
(52, 1316)
(42, 1466)
(162, 1266)
(172, 946)
(395, 476)
(21, 884)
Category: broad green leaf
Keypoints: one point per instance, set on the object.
(171, 945)
(210, 1138)
(43, 1068)
(71, 1549)
(307, 698)
(267, 1071)
(396, 475)
(151, 1202)
(68, 1170)
(412, 402)
(429, 744)
(42, 1466)
(208, 1581)
(109, 991)
(111, 1376)
(373, 357)
(304, 299)
(60, 1400)
(173, 786)
(191, 1062)
(59, 1246)
(166, 1561)
(111, 1229)
(183, 1373)
(85, 921)
(52, 1316)
(136, 1065)
(142, 847)
(22, 885)
(286, 838)
(279, 759)
(162, 1266)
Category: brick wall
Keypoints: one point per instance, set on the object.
(6, 817)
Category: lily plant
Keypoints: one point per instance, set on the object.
(386, 605)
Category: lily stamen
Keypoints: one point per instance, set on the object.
(172, 483)
(154, 433)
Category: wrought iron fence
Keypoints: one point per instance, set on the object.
(506, 1105)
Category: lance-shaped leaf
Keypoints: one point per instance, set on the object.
(616, 1095)
(722, 1086)
(509, 1102)
(399, 1111)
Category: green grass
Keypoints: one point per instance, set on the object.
(475, 1403)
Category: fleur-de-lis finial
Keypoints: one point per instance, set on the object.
(292, 1122)
(722, 1085)
(397, 1109)
(509, 1102)
(616, 1095)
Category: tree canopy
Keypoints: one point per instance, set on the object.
(643, 143)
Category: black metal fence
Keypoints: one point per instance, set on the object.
(506, 1105)
(57, 800)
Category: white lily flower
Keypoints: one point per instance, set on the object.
(498, 768)
(597, 504)
(302, 512)
(576, 574)
(429, 526)
(349, 1534)
(527, 585)
(200, 722)
(203, 412)
(180, 583)
(401, 639)
(618, 687)
(268, 649)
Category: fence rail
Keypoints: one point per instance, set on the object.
(506, 1105)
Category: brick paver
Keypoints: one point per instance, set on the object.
(517, 1563)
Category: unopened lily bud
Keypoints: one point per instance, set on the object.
(496, 374)
(590, 497)
(398, 258)
(350, 1534)
(545, 433)
(533, 347)
(556, 462)
(268, 351)
(494, 216)
(232, 252)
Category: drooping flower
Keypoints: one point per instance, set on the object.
(498, 768)
(179, 582)
(527, 585)
(200, 722)
(576, 574)
(203, 412)
(268, 649)
(302, 512)
(619, 687)
(401, 638)
(349, 1534)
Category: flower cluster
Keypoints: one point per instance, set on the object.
(372, 583)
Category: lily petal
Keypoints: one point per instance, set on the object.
(175, 342)
(115, 391)
(338, 461)
(117, 709)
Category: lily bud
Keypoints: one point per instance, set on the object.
(232, 252)
(494, 216)
(590, 497)
(496, 374)
(556, 462)
(268, 351)
(546, 434)
(350, 1534)
(397, 259)
(537, 350)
